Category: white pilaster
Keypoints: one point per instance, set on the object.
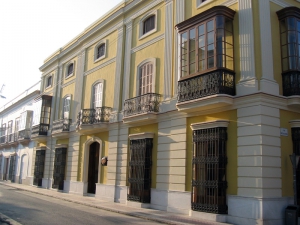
(127, 64)
(118, 69)
(248, 83)
(56, 95)
(171, 154)
(49, 163)
(169, 27)
(180, 9)
(76, 103)
(267, 82)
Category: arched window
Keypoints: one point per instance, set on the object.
(70, 69)
(149, 24)
(145, 78)
(100, 51)
(66, 107)
(97, 95)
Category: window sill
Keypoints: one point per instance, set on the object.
(147, 34)
(48, 87)
(99, 59)
(203, 3)
(70, 75)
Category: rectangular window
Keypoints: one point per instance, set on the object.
(140, 170)
(209, 170)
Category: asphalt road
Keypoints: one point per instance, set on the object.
(33, 209)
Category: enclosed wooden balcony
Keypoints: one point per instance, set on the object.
(61, 127)
(142, 108)
(93, 120)
(206, 91)
(24, 136)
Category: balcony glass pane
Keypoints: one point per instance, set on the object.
(210, 25)
(210, 50)
(291, 23)
(285, 65)
(210, 62)
(282, 26)
(220, 22)
(210, 38)
(229, 63)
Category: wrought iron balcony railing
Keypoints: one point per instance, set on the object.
(24, 134)
(61, 125)
(40, 129)
(142, 104)
(291, 83)
(93, 116)
(216, 82)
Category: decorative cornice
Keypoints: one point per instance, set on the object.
(53, 68)
(210, 124)
(281, 3)
(41, 148)
(100, 66)
(140, 136)
(148, 43)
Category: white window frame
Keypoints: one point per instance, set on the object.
(64, 106)
(67, 68)
(200, 3)
(93, 94)
(138, 73)
(96, 50)
(141, 24)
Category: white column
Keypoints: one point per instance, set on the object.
(248, 83)
(56, 95)
(169, 27)
(180, 9)
(127, 64)
(119, 63)
(76, 101)
(49, 163)
(267, 82)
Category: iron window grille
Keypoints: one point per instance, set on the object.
(140, 163)
(289, 20)
(149, 24)
(39, 167)
(209, 170)
(59, 168)
(296, 150)
(12, 167)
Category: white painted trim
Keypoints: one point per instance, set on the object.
(96, 50)
(294, 123)
(229, 2)
(138, 71)
(148, 43)
(281, 3)
(41, 148)
(200, 3)
(61, 146)
(92, 91)
(143, 135)
(68, 83)
(100, 66)
(86, 158)
(141, 24)
(210, 124)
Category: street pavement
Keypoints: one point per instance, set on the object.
(147, 214)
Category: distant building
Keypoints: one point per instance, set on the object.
(16, 147)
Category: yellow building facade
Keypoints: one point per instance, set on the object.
(187, 106)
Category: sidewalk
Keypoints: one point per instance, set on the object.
(148, 214)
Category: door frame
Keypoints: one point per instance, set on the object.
(87, 145)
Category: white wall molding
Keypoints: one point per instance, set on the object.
(127, 63)
(119, 64)
(68, 83)
(210, 124)
(100, 66)
(248, 83)
(169, 29)
(267, 82)
(281, 3)
(294, 123)
(141, 136)
(229, 2)
(148, 43)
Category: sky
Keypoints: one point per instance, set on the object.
(31, 30)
